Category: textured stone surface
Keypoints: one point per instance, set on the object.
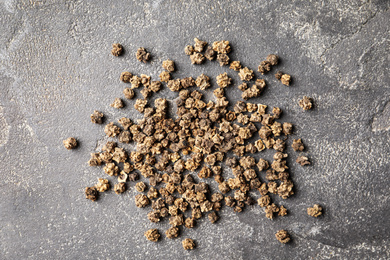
(56, 68)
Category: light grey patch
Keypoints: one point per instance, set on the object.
(372, 62)
(9, 5)
(19, 36)
(4, 128)
(381, 122)
(156, 4)
(369, 56)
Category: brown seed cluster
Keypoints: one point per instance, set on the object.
(102, 185)
(284, 78)
(315, 211)
(142, 55)
(169, 150)
(246, 74)
(266, 65)
(118, 103)
(97, 117)
(117, 49)
(199, 53)
(168, 65)
(305, 103)
(70, 143)
(282, 236)
(91, 193)
(152, 235)
(303, 160)
(188, 244)
(297, 145)
(195, 52)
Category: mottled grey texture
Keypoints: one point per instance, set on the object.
(56, 68)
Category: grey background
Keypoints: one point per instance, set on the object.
(56, 68)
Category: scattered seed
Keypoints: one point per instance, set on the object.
(203, 82)
(282, 211)
(152, 235)
(198, 141)
(223, 80)
(246, 74)
(117, 49)
(221, 46)
(264, 201)
(95, 160)
(91, 193)
(305, 103)
(209, 53)
(285, 79)
(287, 128)
(278, 75)
(273, 59)
(189, 50)
(303, 160)
(126, 77)
(141, 201)
(282, 236)
(168, 65)
(315, 211)
(165, 76)
(172, 232)
(118, 103)
(97, 117)
(199, 45)
(188, 244)
(297, 145)
(119, 188)
(142, 55)
(197, 58)
(213, 217)
(223, 59)
(235, 65)
(264, 67)
(102, 185)
(70, 143)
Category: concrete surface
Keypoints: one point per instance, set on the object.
(56, 68)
